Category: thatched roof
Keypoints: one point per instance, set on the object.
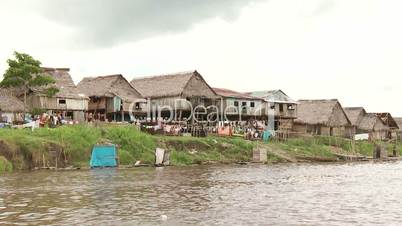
(233, 94)
(109, 86)
(369, 122)
(388, 120)
(273, 96)
(63, 82)
(9, 103)
(168, 85)
(355, 114)
(321, 112)
(399, 122)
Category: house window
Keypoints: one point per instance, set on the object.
(243, 104)
(252, 104)
(280, 107)
(236, 103)
(62, 101)
(291, 107)
(137, 106)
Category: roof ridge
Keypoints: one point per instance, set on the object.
(56, 69)
(165, 75)
(102, 76)
(317, 100)
(353, 108)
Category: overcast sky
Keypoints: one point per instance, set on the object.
(311, 49)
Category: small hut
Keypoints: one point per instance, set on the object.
(391, 123)
(399, 122)
(374, 126)
(322, 117)
(285, 108)
(234, 104)
(181, 92)
(112, 98)
(367, 123)
(10, 107)
(68, 101)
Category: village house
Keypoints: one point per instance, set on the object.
(399, 122)
(233, 104)
(367, 123)
(285, 108)
(68, 100)
(322, 117)
(183, 92)
(112, 98)
(391, 123)
(11, 108)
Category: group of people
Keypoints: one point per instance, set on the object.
(250, 130)
(50, 120)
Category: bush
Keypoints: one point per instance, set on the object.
(5, 165)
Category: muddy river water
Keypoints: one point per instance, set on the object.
(286, 194)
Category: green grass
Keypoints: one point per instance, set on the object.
(27, 149)
(5, 165)
(24, 149)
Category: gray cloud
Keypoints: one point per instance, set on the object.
(106, 22)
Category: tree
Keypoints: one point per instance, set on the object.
(24, 73)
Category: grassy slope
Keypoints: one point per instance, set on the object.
(26, 149)
(322, 148)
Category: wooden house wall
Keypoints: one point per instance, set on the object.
(285, 124)
(52, 103)
(378, 135)
(110, 105)
(229, 106)
(323, 130)
(100, 104)
(177, 101)
(288, 110)
(10, 117)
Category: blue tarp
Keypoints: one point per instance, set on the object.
(103, 156)
(266, 135)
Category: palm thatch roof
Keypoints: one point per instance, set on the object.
(321, 112)
(388, 120)
(10, 103)
(234, 94)
(63, 82)
(371, 122)
(273, 96)
(169, 85)
(109, 86)
(355, 114)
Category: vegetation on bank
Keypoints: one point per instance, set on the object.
(71, 146)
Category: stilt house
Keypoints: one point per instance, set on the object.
(68, 101)
(391, 123)
(11, 108)
(367, 123)
(322, 117)
(112, 98)
(184, 93)
(285, 108)
(234, 104)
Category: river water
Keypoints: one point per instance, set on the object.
(288, 194)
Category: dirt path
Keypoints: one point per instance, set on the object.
(280, 153)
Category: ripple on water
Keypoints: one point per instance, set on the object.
(280, 194)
